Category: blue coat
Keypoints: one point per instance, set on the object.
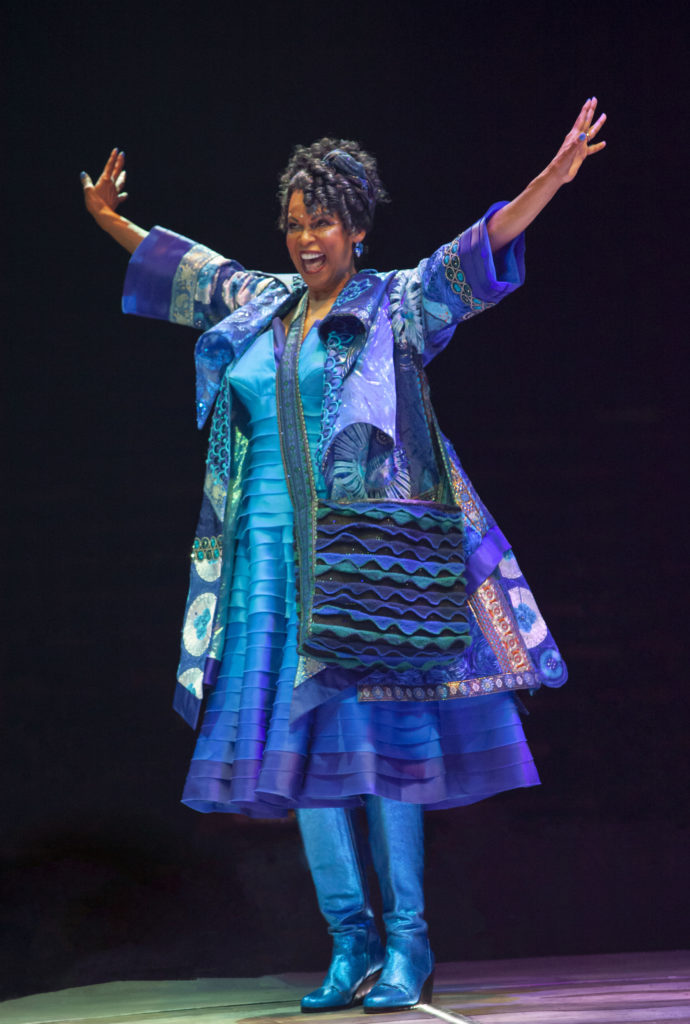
(370, 445)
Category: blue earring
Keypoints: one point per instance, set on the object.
(358, 249)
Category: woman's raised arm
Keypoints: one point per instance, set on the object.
(103, 198)
(507, 223)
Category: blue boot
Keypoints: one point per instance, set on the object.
(396, 838)
(341, 890)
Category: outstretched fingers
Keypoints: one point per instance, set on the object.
(579, 142)
(119, 164)
(108, 191)
(594, 130)
(114, 168)
(109, 168)
(584, 118)
(586, 131)
(595, 148)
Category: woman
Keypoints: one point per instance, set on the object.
(282, 730)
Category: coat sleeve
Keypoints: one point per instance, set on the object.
(169, 277)
(458, 281)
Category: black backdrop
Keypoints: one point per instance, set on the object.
(565, 404)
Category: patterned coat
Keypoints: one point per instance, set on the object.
(378, 335)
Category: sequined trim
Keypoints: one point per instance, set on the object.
(218, 458)
(478, 687)
(306, 668)
(458, 282)
(496, 621)
(208, 548)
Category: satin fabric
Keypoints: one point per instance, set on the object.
(249, 757)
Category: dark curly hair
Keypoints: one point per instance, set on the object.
(327, 187)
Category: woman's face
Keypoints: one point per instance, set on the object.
(320, 248)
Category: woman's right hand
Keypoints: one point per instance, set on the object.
(103, 199)
(106, 195)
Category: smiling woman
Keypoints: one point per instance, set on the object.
(322, 251)
(328, 194)
(434, 721)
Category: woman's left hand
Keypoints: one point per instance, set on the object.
(507, 223)
(578, 145)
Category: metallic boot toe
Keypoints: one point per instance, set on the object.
(333, 997)
(326, 998)
(384, 998)
(355, 968)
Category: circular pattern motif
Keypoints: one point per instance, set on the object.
(192, 680)
(530, 622)
(196, 633)
(508, 567)
(208, 571)
(551, 664)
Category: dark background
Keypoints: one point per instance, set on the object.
(564, 402)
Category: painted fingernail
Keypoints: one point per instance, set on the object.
(82, 175)
(122, 152)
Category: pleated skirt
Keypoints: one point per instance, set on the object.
(251, 759)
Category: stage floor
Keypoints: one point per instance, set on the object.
(647, 988)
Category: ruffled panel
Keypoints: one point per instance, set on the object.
(250, 759)
(283, 781)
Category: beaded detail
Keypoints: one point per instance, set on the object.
(458, 282)
(477, 687)
(207, 549)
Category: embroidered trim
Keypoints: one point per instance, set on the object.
(466, 499)
(207, 549)
(478, 687)
(300, 485)
(491, 610)
(355, 287)
(406, 308)
(342, 350)
(458, 282)
(185, 284)
(218, 457)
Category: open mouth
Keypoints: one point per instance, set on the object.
(312, 261)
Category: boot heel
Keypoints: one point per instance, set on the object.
(425, 996)
(366, 987)
(390, 998)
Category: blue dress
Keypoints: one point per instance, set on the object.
(249, 757)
